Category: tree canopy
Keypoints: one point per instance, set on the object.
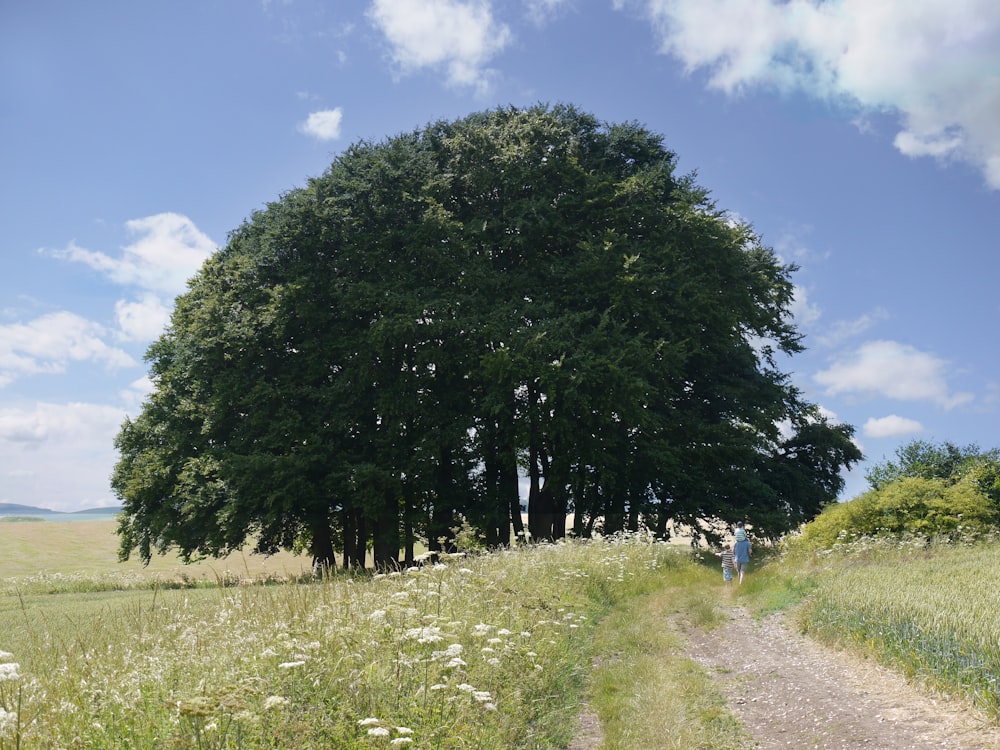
(529, 294)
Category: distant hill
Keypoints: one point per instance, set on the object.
(13, 509)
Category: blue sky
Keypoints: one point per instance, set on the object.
(861, 138)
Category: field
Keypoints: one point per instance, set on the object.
(930, 612)
(90, 549)
(492, 651)
(486, 652)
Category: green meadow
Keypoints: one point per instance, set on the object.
(483, 651)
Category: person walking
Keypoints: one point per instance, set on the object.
(728, 565)
(742, 551)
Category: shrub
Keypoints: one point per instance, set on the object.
(908, 507)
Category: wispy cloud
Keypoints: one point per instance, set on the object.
(893, 370)
(459, 37)
(842, 330)
(324, 125)
(933, 62)
(540, 12)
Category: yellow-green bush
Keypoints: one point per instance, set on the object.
(908, 507)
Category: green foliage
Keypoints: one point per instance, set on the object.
(926, 460)
(377, 355)
(908, 507)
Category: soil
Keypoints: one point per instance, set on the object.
(792, 693)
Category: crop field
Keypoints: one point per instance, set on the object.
(930, 612)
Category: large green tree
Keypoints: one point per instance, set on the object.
(382, 354)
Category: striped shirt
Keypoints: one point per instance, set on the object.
(727, 559)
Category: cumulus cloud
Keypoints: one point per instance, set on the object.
(168, 250)
(934, 63)
(143, 319)
(48, 344)
(457, 36)
(324, 125)
(893, 370)
(891, 426)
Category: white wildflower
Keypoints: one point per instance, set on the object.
(401, 741)
(290, 664)
(8, 672)
(378, 732)
(424, 635)
(273, 701)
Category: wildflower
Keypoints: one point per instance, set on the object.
(273, 701)
(483, 696)
(424, 635)
(378, 732)
(8, 672)
(401, 741)
(290, 664)
(8, 720)
(404, 730)
(370, 721)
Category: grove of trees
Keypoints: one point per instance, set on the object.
(520, 295)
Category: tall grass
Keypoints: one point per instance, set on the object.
(928, 611)
(484, 652)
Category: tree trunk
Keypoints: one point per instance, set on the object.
(321, 547)
(385, 548)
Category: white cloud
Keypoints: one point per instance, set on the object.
(324, 125)
(136, 392)
(49, 343)
(933, 62)
(804, 312)
(459, 36)
(143, 319)
(891, 426)
(893, 370)
(168, 251)
(60, 452)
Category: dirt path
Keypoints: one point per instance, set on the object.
(790, 692)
